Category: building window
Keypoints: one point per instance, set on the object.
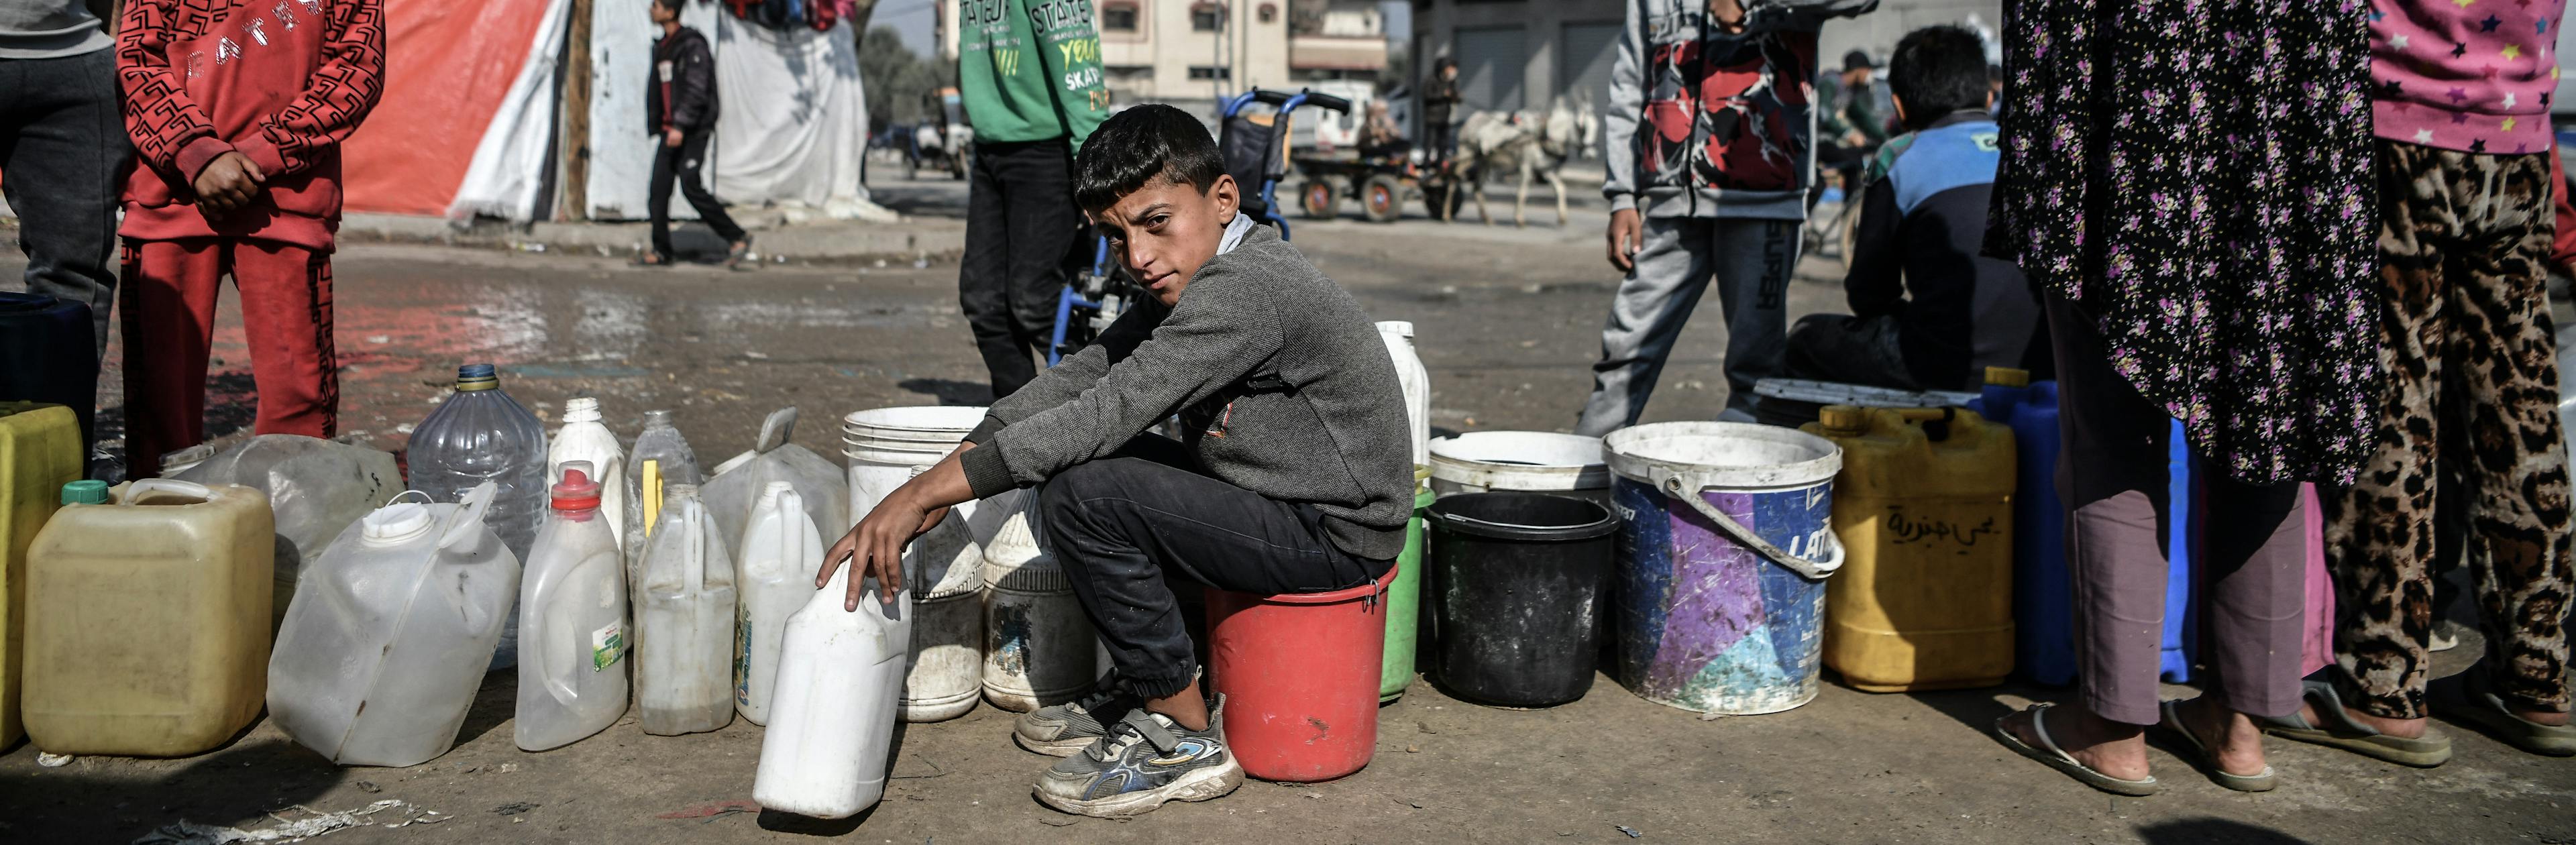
(1204, 73)
(1207, 17)
(1118, 17)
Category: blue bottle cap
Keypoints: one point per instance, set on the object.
(477, 377)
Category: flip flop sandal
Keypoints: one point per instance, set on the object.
(2207, 761)
(651, 259)
(2345, 733)
(736, 253)
(2486, 710)
(2048, 754)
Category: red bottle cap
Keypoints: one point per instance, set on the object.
(577, 491)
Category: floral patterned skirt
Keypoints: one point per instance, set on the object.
(2198, 173)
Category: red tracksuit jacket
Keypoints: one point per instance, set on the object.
(280, 81)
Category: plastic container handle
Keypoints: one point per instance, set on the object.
(469, 513)
(532, 630)
(148, 486)
(1812, 570)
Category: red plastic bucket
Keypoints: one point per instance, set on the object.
(1299, 673)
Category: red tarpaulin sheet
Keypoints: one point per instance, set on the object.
(449, 66)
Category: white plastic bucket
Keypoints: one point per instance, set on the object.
(1722, 564)
(885, 444)
(1527, 461)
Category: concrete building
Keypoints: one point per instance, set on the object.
(1336, 39)
(1516, 54)
(1186, 50)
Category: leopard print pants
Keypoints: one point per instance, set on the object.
(2472, 393)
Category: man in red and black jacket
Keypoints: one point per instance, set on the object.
(680, 110)
(237, 109)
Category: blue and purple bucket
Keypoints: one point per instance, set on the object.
(1724, 547)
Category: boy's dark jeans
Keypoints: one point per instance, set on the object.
(683, 164)
(63, 146)
(1020, 224)
(1132, 528)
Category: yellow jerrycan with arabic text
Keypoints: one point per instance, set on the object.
(1924, 506)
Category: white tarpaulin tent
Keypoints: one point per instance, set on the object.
(791, 130)
(508, 173)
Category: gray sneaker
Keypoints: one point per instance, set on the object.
(1145, 761)
(1062, 730)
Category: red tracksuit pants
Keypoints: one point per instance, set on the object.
(168, 295)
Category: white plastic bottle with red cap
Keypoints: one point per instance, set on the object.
(572, 620)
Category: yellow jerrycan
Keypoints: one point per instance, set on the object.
(147, 618)
(1924, 506)
(40, 451)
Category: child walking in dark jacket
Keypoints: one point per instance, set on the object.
(680, 110)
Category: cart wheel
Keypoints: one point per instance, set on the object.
(1321, 199)
(1433, 191)
(1382, 199)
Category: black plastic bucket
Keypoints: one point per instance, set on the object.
(1521, 580)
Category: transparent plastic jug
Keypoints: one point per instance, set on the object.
(661, 458)
(584, 438)
(738, 483)
(684, 631)
(781, 553)
(40, 451)
(572, 605)
(390, 632)
(480, 434)
(148, 619)
(317, 488)
(831, 727)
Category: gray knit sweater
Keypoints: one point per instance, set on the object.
(1281, 382)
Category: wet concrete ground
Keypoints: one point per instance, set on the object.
(1508, 321)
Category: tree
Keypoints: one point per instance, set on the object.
(898, 80)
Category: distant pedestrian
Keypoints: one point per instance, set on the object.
(1709, 151)
(1439, 110)
(237, 108)
(2222, 278)
(62, 149)
(680, 109)
(1029, 74)
(2468, 453)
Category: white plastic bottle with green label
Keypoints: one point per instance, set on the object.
(685, 630)
(781, 552)
(839, 675)
(572, 620)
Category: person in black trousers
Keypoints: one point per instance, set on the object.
(681, 105)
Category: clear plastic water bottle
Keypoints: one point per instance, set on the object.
(661, 451)
(480, 434)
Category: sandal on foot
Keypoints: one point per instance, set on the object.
(735, 254)
(651, 259)
(2207, 761)
(2484, 709)
(2048, 754)
(2343, 732)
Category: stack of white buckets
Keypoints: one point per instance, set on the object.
(1008, 628)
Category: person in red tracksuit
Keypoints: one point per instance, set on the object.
(237, 109)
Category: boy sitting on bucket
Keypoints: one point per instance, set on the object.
(1293, 475)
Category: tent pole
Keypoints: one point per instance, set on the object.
(575, 138)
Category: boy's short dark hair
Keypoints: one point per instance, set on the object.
(673, 5)
(1938, 70)
(1136, 146)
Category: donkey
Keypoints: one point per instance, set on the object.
(1528, 142)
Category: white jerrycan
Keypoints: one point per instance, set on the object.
(832, 724)
(572, 620)
(684, 633)
(781, 552)
(390, 631)
(1416, 381)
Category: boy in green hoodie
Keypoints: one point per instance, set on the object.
(1029, 73)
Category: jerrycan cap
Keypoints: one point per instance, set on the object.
(87, 491)
(2007, 377)
(1844, 420)
(395, 524)
(577, 491)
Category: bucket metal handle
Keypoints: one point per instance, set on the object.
(1813, 570)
